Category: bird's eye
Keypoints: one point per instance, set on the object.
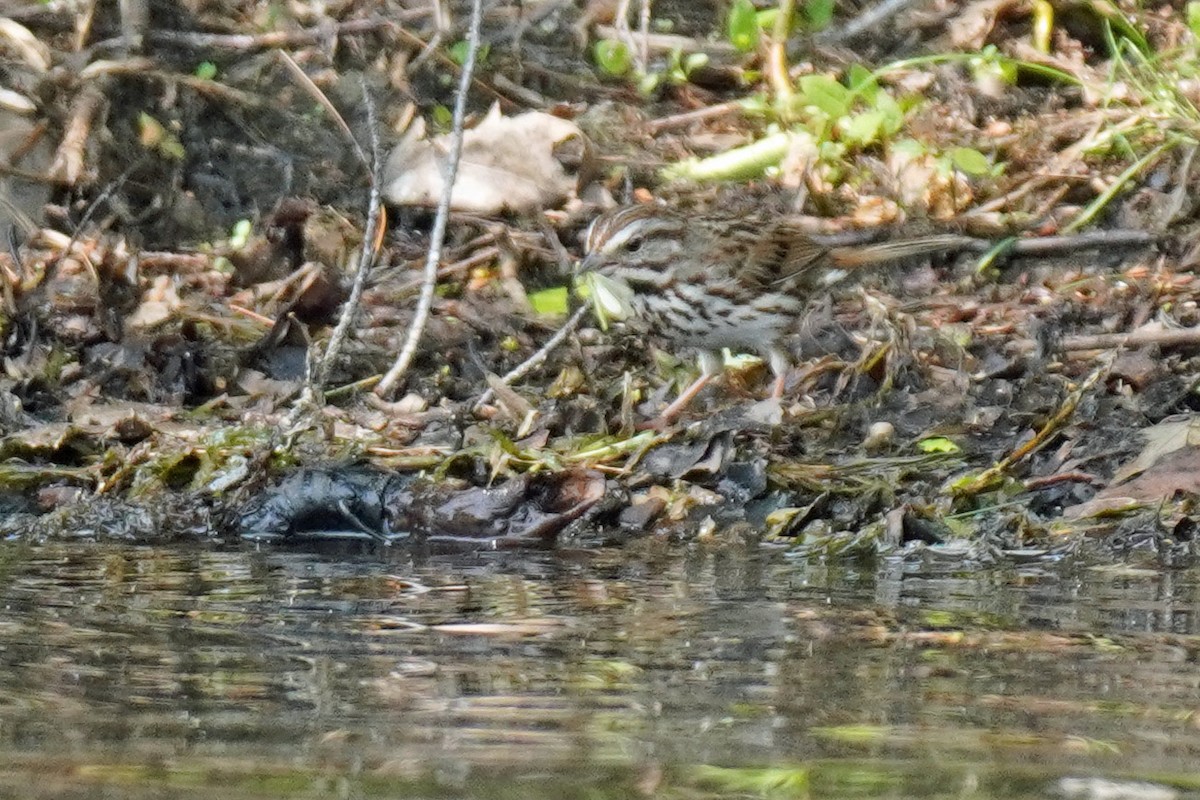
(634, 244)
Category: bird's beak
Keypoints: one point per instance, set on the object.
(586, 264)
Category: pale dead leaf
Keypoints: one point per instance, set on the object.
(17, 103)
(257, 384)
(970, 28)
(508, 164)
(924, 184)
(159, 304)
(20, 41)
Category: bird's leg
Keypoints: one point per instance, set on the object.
(779, 362)
(710, 366)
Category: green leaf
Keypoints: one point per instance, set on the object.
(206, 70)
(550, 301)
(1121, 26)
(862, 128)
(937, 444)
(442, 116)
(675, 71)
(970, 161)
(612, 57)
(862, 82)
(991, 65)
(832, 153)
(826, 94)
(1193, 18)
(647, 84)
(742, 28)
(909, 147)
(153, 135)
(890, 112)
(755, 105)
(240, 235)
(818, 13)
(458, 52)
(693, 62)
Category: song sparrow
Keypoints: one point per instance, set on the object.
(710, 283)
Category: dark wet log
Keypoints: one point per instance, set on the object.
(530, 509)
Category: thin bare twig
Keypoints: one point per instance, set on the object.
(538, 358)
(315, 92)
(621, 23)
(67, 167)
(317, 368)
(433, 257)
(644, 33)
(865, 22)
(94, 206)
(264, 41)
(441, 25)
(366, 255)
(135, 21)
(688, 117)
(506, 104)
(145, 68)
(660, 43)
(1185, 337)
(1070, 243)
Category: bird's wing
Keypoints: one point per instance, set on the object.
(781, 257)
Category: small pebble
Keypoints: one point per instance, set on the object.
(879, 436)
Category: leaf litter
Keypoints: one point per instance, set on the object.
(178, 265)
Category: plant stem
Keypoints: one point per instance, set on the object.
(777, 68)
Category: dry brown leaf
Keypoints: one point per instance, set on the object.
(1169, 464)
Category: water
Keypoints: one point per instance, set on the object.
(659, 670)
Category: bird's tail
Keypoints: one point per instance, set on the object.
(863, 255)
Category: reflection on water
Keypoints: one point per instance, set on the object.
(172, 672)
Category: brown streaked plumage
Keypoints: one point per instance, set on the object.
(711, 282)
